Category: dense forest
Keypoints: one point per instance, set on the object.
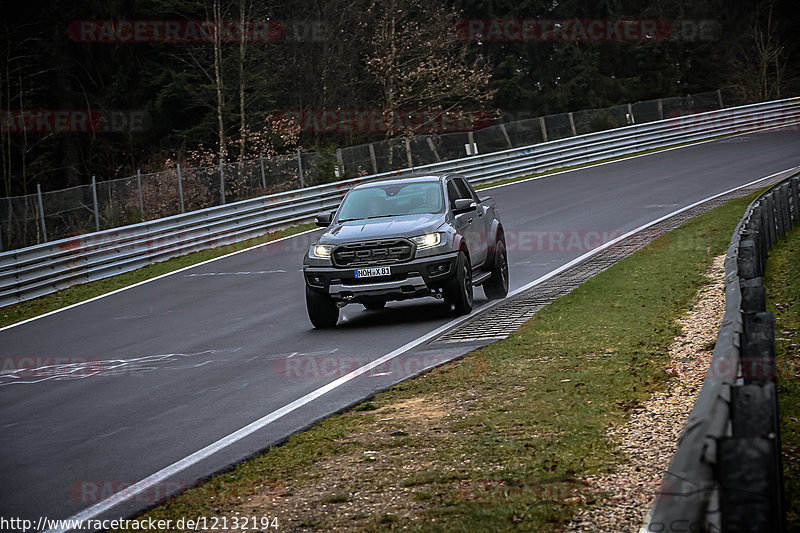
(106, 87)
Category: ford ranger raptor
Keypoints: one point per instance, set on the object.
(406, 238)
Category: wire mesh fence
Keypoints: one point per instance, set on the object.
(34, 219)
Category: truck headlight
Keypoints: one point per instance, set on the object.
(429, 240)
(321, 251)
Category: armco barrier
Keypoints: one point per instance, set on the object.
(37, 270)
(726, 474)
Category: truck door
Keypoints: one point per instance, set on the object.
(471, 224)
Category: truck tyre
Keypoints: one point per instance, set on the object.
(496, 287)
(458, 291)
(322, 310)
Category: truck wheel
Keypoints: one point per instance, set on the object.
(322, 310)
(496, 286)
(458, 291)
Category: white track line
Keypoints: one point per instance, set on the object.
(190, 460)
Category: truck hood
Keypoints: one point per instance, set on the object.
(382, 228)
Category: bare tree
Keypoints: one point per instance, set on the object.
(761, 60)
(418, 60)
(770, 53)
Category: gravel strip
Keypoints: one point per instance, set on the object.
(650, 438)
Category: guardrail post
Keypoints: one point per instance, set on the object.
(96, 210)
(473, 148)
(374, 159)
(340, 161)
(769, 211)
(300, 169)
(543, 126)
(776, 206)
(221, 183)
(408, 151)
(41, 211)
(263, 174)
(758, 346)
(776, 199)
(572, 125)
(141, 196)
(795, 182)
(786, 211)
(762, 216)
(719, 98)
(748, 267)
(430, 145)
(754, 295)
(505, 134)
(180, 188)
(750, 464)
(630, 118)
(757, 232)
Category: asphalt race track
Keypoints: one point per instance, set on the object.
(131, 383)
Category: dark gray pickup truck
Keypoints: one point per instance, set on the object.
(406, 238)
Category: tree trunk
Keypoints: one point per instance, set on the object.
(223, 150)
(70, 151)
(5, 138)
(242, 121)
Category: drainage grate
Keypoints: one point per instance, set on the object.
(503, 319)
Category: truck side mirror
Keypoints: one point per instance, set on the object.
(464, 205)
(323, 220)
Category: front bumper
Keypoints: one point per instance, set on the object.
(412, 279)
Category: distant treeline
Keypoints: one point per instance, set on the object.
(105, 87)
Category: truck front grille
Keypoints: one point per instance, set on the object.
(369, 253)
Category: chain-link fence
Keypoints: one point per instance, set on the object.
(393, 154)
(33, 219)
(47, 216)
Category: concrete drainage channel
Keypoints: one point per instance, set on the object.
(500, 321)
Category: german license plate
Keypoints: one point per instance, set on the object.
(373, 272)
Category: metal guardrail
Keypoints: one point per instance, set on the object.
(37, 270)
(32, 219)
(726, 474)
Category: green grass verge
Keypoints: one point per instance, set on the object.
(782, 281)
(85, 291)
(522, 419)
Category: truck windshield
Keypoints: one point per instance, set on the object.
(388, 200)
